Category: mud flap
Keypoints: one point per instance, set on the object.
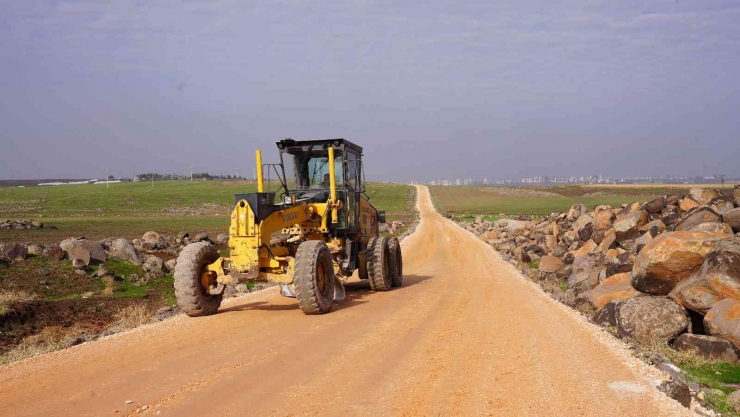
(338, 290)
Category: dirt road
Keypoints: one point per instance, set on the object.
(464, 336)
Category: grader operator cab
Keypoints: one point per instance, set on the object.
(308, 239)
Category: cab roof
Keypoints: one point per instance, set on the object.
(340, 143)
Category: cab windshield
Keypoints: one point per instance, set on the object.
(311, 168)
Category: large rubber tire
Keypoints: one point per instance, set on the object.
(192, 299)
(394, 246)
(314, 277)
(379, 264)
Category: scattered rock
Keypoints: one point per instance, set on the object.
(35, 249)
(733, 400)
(75, 341)
(54, 252)
(696, 217)
(655, 206)
(616, 287)
(710, 347)
(125, 250)
(670, 258)
(576, 211)
(713, 227)
(688, 204)
(13, 252)
(199, 237)
(222, 239)
(718, 278)
(732, 218)
(153, 264)
(79, 255)
(586, 270)
(650, 318)
(723, 320)
(628, 227)
(703, 196)
(169, 266)
(584, 227)
(550, 264)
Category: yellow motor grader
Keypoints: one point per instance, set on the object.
(309, 239)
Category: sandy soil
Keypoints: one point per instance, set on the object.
(466, 335)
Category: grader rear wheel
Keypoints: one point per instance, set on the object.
(195, 288)
(394, 246)
(379, 264)
(314, 277)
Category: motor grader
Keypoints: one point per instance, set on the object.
(309, 238)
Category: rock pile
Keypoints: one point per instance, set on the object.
(393, 228)
(668, 269)
(20, 224)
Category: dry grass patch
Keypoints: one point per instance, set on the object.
(10, 298)
(131, 317)
(48, 340)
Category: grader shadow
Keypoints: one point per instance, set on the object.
(355, 294)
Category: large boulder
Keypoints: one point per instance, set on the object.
(584, 226)
(125, 250)
(718, 278)
(732, 218)
(550, 264)
(650, 318)
(710, 347)
(615, 287)
(696, 217)
(723, 320)
(703, 196)
(628, 226)
(577, 210)
(670, 258)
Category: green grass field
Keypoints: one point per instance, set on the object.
(130, 209)
(539, 201)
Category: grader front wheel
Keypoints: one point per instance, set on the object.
(314, 277)
(194, 285)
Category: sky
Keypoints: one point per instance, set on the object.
(431, 90)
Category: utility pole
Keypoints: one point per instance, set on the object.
(152, 178)
(191, 172)
(237, 173)
(106, 179)
(722, 179)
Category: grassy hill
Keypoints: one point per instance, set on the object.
(130, 209)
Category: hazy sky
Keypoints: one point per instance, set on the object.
(438, 89)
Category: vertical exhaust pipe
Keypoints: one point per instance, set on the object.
(260, 182)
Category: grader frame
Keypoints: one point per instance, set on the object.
(309, 242)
